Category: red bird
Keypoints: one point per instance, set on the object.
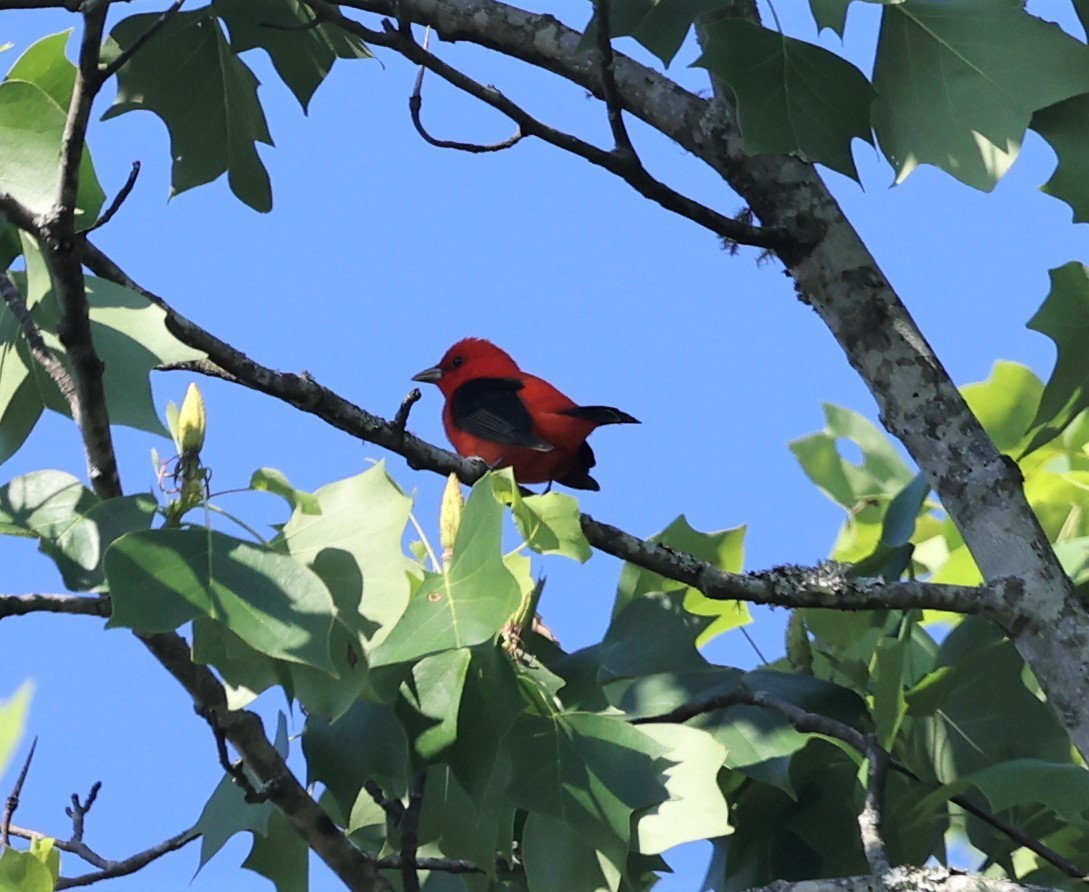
(509, 418)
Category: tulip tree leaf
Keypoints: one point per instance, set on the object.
(13, 713)
(73, 526)
(302, 56)
(469, 601)
(792, 97)
(951, 85)
(660, 27)
(1063, 317)
(550, 523)
(33, 109)
(1065, 125)
(723, 549)
(205, 95)
(160, 579)
(353, 542)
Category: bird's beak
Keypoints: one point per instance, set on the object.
(429, 376)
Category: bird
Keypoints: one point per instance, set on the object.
(509, 418)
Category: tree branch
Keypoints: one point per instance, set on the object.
(58, 241)
(621, 164)
(611, 93)
(826, 586)
(12, 802)
(246, 733)
(45, 357)
(131, 864)
(879, 762)
(933, 879)
(75, 605)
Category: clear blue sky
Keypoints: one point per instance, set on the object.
(379, 253)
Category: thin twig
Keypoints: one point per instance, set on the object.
(131, 864)
(394, 808)
(236, 770)
(118, 200)
(609, 89)
(401, 418)
(409, 828)
(12, 802)
(627, 168)
(41, 352)
(79, 811)
(154, 28)
(415, 103)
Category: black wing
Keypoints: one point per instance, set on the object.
(491, 409)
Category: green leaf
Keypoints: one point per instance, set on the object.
(592, 772)
(46, 851)
(557, 856)
(204, 94)
(130, 335)
(792, 97)
(883, 473)
(991, 715)
(952, 89)
(273, 481)
(302, 56)
(353, 543)
(22, 872)
(13, 712)
(160, 579)
(830, 14)
(1063, 317)
(245, 671)
(723, 549)
(892, 556)
(660, 27)
(73, 527)
(1062, 788)
(1065, 125)
(227, 812)
(469, 601)
(1005, 403)
(366, 743)
(433, 691)
(464, 827)
(281, 856)
(44, 64)
(889, 704)
(695, 808)
(33, 109)
(549, 523)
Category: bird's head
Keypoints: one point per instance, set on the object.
(469, 358)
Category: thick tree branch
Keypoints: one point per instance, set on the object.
(58, 241)
(75, 605)
(246, 733)
(931, 879)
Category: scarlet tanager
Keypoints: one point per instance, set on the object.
(509, 418)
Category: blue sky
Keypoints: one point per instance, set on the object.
(379, 253)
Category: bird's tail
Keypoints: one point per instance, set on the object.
(600, 415)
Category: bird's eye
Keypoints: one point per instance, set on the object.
(458, 360)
